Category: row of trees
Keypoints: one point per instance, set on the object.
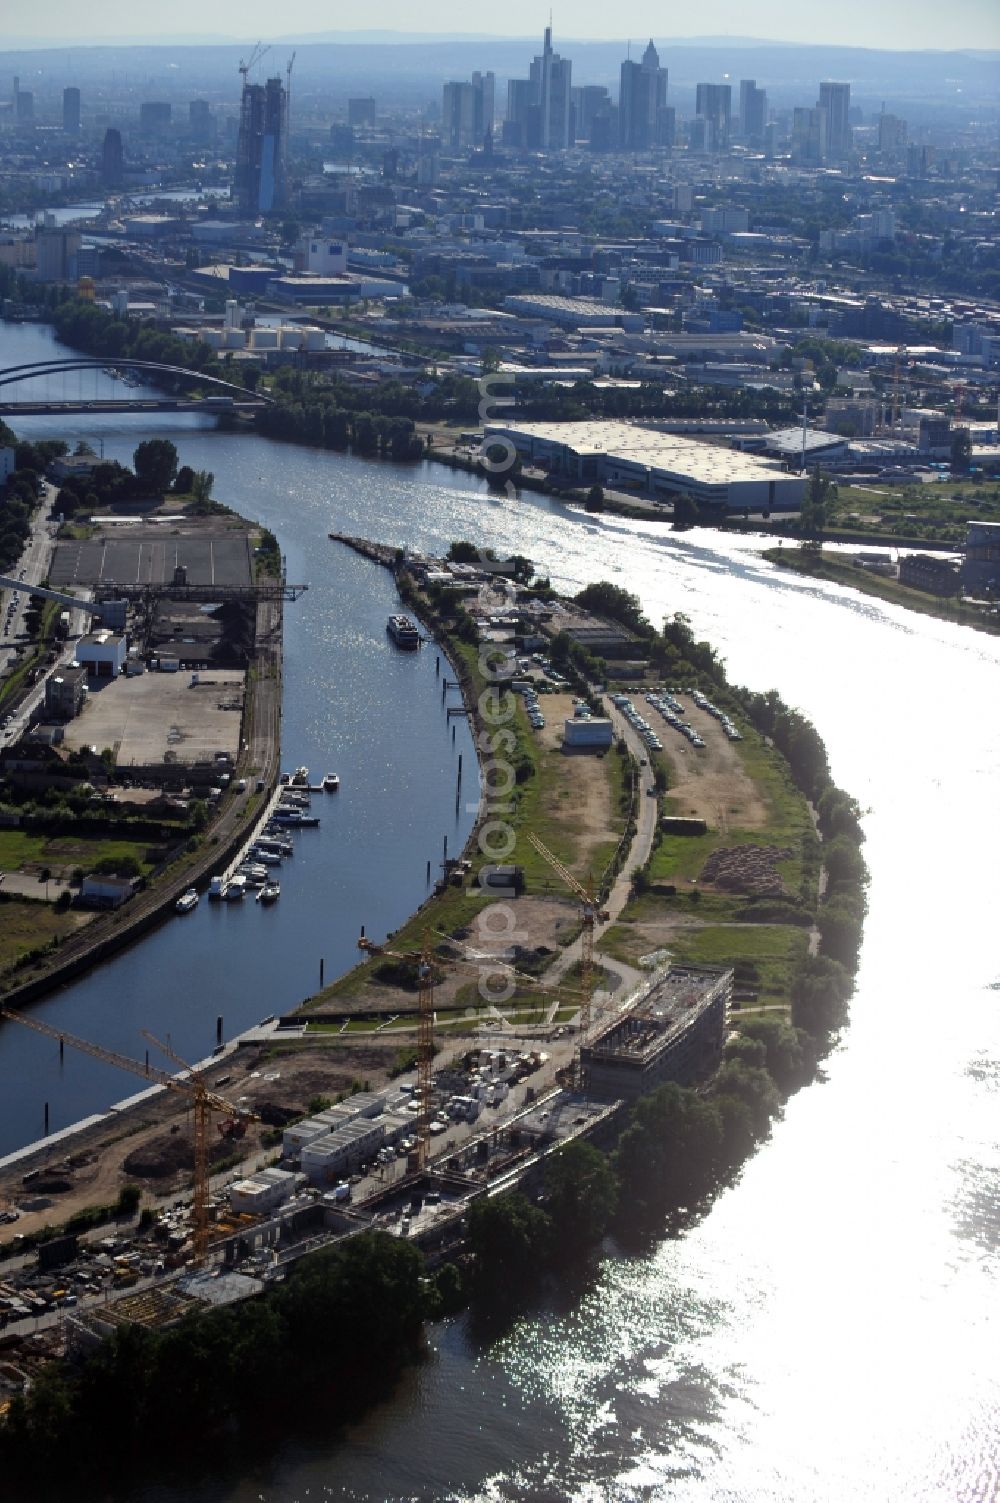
(347, 1317)
(19, 493)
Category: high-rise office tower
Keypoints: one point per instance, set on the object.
(467, 112)
(835, 98)
(540, 112)
(71, 111)
(361, 111)
(589, 101)
(641, 100)
(24, 105)
(753, 111)
(262, 148)
(154, 116)
(714, 104)
(810, 136)
(552, 77)
(891, 135)
(112, 159)
(201, 125)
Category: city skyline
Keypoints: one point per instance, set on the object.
(971, 24)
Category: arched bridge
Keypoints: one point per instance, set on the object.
(226, 395)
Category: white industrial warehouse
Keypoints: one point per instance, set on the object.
(647, 462)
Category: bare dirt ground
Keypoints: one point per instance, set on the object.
(539, 922)
(583, 798)
(286, 1075)
(711, 784)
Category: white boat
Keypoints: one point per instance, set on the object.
(236, 889)
(331, 783)
(265, 856)
(300, 777)
(269, 893)
(252, 874)
(187, 900)
(215, 887)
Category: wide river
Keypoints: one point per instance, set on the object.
(828, 1332)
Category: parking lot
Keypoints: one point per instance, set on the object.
(162, 717)
(149, 555)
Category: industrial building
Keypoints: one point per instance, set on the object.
(627, 456)
(981, 567)
(102, 654)
(674, 1031)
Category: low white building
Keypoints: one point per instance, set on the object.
(263, 1192)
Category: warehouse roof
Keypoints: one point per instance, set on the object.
(631, 443)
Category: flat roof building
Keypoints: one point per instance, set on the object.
(650, 463)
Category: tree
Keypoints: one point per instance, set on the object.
(595, 498)
(201, 488)
(184, 480)
(155, 462)
(462, 552)
(581, 1195)
(511, 1240)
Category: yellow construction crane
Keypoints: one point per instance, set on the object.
(202, 1098)
(592, 912)
(424, 961)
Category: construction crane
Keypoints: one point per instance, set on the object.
(258, 52)
(202, 1098)
(424, 961)
(592, 912)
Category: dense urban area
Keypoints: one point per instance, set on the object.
(640, 285)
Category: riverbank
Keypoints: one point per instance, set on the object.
(816, 563)
(248, 785)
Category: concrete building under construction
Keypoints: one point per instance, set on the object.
(673, 1031)
(261, 181)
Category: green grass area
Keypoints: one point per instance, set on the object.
(936, 512)
(834, 567)
(21, 848)
(679, 859)
(26, 926)
(764, 956)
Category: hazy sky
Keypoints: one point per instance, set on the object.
(884, 23)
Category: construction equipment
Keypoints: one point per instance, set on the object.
(423, 960)
(255, 57)
(592, 912)
(202, 1098)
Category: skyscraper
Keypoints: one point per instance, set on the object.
(467, 112)
(71, 111)
(810, 136)
(201, 125)
(552, 78)
(112, 159)
(540, 108)
(262, 148)
(753, 111)
(714, 104)
(641, 100)
(835, 98)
